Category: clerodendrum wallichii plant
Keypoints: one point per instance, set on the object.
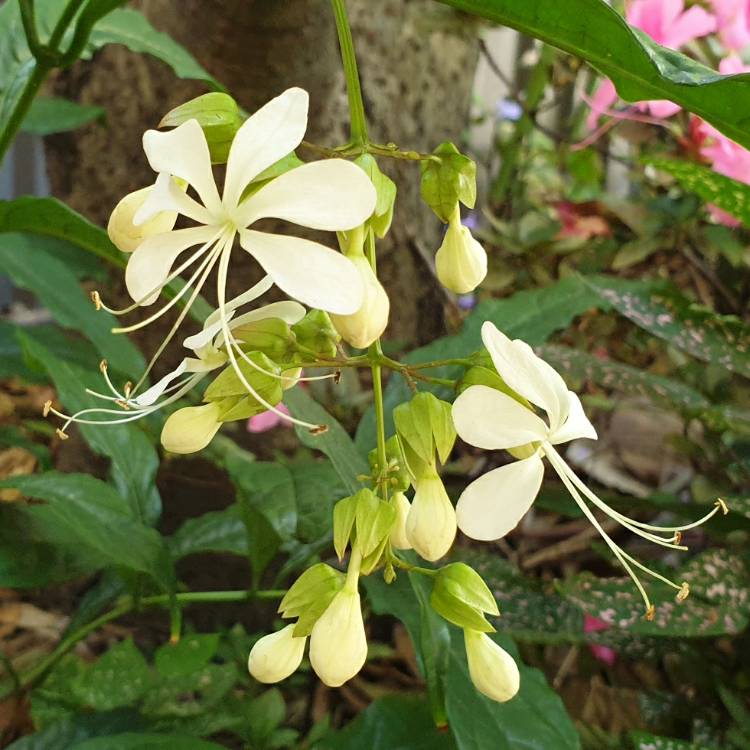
(508, 398)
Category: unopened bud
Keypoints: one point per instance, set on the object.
(399, 539)
(191, 429)
(461, 262)
(275, 656)
(338, 645)
(492, 669)
(431, 523)
(219, 116)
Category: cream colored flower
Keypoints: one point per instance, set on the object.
(460, 262)
(431, 521)
(276, 656)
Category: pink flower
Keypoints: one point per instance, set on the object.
(667, 23)
(267, 421)
(733, 22)
(604, 654)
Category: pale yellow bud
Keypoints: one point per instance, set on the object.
(275, 656)
(362, 327)
(125, 235)
(191, 429)
(338, 646)
(431, 522)
(398, 533)
(492, 669)
(461, 262)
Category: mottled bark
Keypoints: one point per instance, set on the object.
(417, 61)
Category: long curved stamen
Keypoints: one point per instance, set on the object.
(221, 295)
(212, 258)
(97, 300)
(555, 460)
(103, 369)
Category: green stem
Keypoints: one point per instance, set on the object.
(30, 89)
(32, 676)
(357, 118)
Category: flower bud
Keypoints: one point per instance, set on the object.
(125, 235)
(399, 539)
(431, 522)
(492, 669)
(217, 114)
(275, 656)
(263, 375)
(338, 646)
(272, 336)
(461, 262)
(191, 429)
(367, 324)
(316, 333)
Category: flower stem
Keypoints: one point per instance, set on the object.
(358, 123)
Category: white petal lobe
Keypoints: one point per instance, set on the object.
(577, 425)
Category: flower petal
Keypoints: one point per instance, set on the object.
(183, 152)
(268, 135)
(167, 196)
(152, 394)
(334, 195)
(149, 266)
(492, 420)
(492, 505)
(577, 425)
(527, 374)
(315, 275)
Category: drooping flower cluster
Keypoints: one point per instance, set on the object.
(261, 349)
(493, 419)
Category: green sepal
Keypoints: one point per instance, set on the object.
(424, 425)
(461, 596)
(372, 560)
(271, 336)
(315, 332)
(374, 521)
(459, 613)
(448, 180)
(219, 116)
(313, 583)
(242, 407)
(385, 188)
(228, 382)
(344, 515)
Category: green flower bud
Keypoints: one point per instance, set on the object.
(272, 336)
(396, 469)
(317, 335)
(448, 179)
(461, 596)
(366, 521)
(218, 115)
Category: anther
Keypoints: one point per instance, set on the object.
(45, 409)
(127, 388)
(721, 504)
(678, 537)
(96, 299)
(319, 429)
(122, 404)
(62, 435)
(337, 377)
(103, 366)
(684, 591)
(650, 612)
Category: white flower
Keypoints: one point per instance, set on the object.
(493, 504)
(431, 522)
(399, 539)
(460, 262)
(367, 324)
(492, 669)
(275, 656)
(338, 646)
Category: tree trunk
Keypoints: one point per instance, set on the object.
(417, 61)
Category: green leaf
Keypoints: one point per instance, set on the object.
(535, 718)
(730, 195)
(50, 217)
(391, 723)
(639, 68)
(72, 730)
(52, 114)
(719, 601)
(34, 269)
(119, 678)
(218, 531)
(80, 510)
(189, 654)
(664, 312)
(317, 486)
(131, 28)
(335, 442)
(131, 741)
(134, 459)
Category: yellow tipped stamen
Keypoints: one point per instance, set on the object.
(122, 404)
(684, 592)
(128, 387)
(46, 408)
(721, 505)
(103, 367)
(62, 435)
(96, 299)
(678, 537)
(650, 613)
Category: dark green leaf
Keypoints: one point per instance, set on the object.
(639, 68)
(51, 114)
(218, 531)
(132, 741)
